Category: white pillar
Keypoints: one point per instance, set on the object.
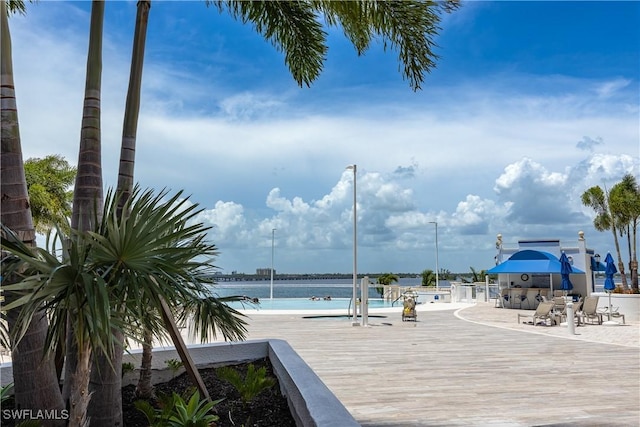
(364, 300)
(486, 288)
(570, 325)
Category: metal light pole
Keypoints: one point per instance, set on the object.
(273, 234)
(355, 250)
(437, 276)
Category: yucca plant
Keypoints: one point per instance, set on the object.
(251, 385)
(107, 280)
(176, 411)
(5, 392)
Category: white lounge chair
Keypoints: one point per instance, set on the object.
(614, 313)
(590, 310)
(577, 314)
(543, 312)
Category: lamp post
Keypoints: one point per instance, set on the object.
(437, 276)
(273, 234)
(355, 250)
(594, 272)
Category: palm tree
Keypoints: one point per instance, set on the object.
(132, 105)
(385, 280)
(154, 254)
(88, 189)
(477, 276)
(125, 187)
(388, 278)
(428, 278)
(48, 182)
(624, 201)
(37, 387)
(598, 200)
(88, 195)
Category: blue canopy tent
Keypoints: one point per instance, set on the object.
(530, 261)
(533, 262)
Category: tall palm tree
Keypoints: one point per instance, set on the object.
(88, 189)
(88, 192)
(597, 199)
(37, 387)
(108, 277)
(624, 200)
(125, 187)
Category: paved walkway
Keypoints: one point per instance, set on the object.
(468, 365)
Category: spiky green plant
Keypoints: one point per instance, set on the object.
(176, 411)
(251, 385)
(174, 365)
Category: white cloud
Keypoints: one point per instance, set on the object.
(609, 88)
(264, 157)
(474, 216)
(589, 144)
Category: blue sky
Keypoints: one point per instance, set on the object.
(531, 104)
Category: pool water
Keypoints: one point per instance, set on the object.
(309, 304)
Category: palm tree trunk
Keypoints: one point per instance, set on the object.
(132, 106)
(35, 380)
(634, 259)
(128, 154)
(105, 408)
(623, 276)
(79, 399)
(144, 390)
(87, 193)
(106, 382)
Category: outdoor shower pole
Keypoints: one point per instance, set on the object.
(355, 251)
(273, 234)
(437, 277)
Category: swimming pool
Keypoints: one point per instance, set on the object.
(308, 304)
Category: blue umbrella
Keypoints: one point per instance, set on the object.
(609, 271)
(565, 271)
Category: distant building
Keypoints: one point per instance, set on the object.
(264, 272)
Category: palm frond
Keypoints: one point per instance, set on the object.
(292, 27)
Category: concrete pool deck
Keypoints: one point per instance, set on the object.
(468, 365)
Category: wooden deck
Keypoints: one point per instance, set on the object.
(446, 371)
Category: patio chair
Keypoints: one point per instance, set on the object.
(543, 313)
(516, 296)
(614, 313)
(559, 304)
(522, 298)
(590, 310)
(577, 307)
(502, 297)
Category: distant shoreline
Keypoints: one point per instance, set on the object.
(242, 277)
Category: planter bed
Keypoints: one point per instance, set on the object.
(310, 401)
